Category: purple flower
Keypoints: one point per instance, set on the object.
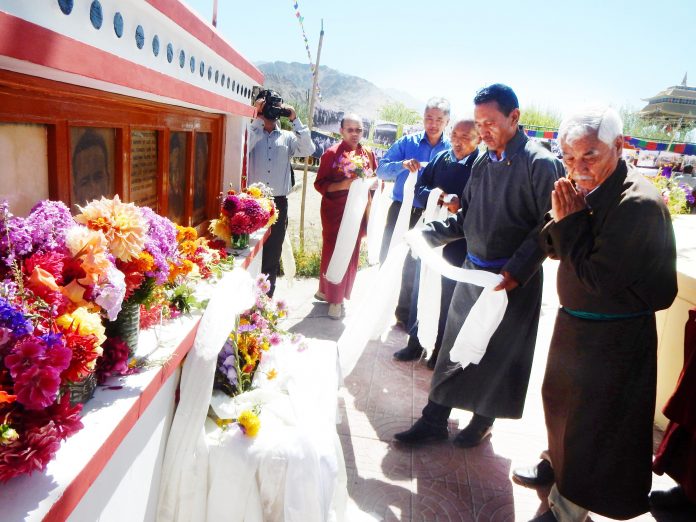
(13, 319)
(15, 237)
(275, 339)
(690, 199)
(160, 243)
(231, 205)
(48, 223)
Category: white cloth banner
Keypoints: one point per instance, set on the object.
(430, 282)
(184, 483)
(375, 224)
(289, 267)
(376, 311)
(486, 313)
(404, 218)
(356, 203)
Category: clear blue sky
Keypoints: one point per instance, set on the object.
(555, 54)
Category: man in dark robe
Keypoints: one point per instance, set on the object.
(449, 171)
(502, 211)
(614, 238)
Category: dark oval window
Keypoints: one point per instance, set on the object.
(155, 45)
(95, 14)
(118, 24)
(202, 68)
(65, 6)
(217, 75)
(182, 58)
(210, 72)
(192, 64)
(140, 36)
(228, 82)
(170, 52)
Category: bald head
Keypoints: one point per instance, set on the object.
(464, 138)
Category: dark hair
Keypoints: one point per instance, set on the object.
(688, 169)
(88, 140)
(503, 95)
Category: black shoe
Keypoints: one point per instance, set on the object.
(410, 353)
(422, 431)
(433, 359)
(472, 435)
(669, 499)
(534, 476)
(547, 516)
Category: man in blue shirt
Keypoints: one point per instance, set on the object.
(449, 171)
(270, 151)
(403, 157)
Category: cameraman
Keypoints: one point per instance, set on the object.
(270, 151)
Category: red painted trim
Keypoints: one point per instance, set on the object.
(69, 55)
(256, 249)
(74, 492)
(189, 22)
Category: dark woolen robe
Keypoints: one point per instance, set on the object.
(677, 453)
(503, 209)
(618, 262)
(331, 212)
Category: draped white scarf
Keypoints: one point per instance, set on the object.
(358, 198)
(430, 282)
(376, 311)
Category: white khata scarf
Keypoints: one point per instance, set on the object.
(376, 313)
(357, 201)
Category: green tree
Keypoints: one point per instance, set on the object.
(639, 127)
(397, 112)
(534, 116)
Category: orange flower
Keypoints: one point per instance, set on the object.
(6, 397)
(272, 374)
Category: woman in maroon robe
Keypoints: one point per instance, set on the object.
(340, 165)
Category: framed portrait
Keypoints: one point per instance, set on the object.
(201, 176)
(177, 176)
(92, 172)
(143, 175)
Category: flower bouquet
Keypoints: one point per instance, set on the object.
(239, 361)
(354, 164)
(679, 197)
(244, 213)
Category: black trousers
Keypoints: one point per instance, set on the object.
(437, 415)
(270, 261)
(409, 274)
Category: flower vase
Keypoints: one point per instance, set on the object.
(126, 325)
(82, 391)
(240, 241)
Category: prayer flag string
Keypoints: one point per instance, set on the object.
(300, 19)
(629, 142)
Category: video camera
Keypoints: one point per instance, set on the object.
(272, 109)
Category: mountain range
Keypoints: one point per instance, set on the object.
(339, 91)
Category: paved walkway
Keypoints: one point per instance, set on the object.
(437, 482)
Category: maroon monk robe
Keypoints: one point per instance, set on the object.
(676, 455)
(332, 206)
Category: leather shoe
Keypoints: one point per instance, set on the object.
(433, 359)
(669, 499)
(423, 431)
(472, 435)
(410, 353)
(546, 516)
(534, 476)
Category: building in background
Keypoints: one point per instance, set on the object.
(139, 98)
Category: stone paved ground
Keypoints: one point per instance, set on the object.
(438, 482)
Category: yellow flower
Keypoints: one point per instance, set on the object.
(271, 374)
(186, 233)
(249, 422)
(146, 263)
(254, 192)
(121, 223)
(220, 228)
(83, 322)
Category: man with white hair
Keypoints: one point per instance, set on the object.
(613, 236)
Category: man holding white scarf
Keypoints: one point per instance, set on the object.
(502, 211)
(408, 155)
(449, 172)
